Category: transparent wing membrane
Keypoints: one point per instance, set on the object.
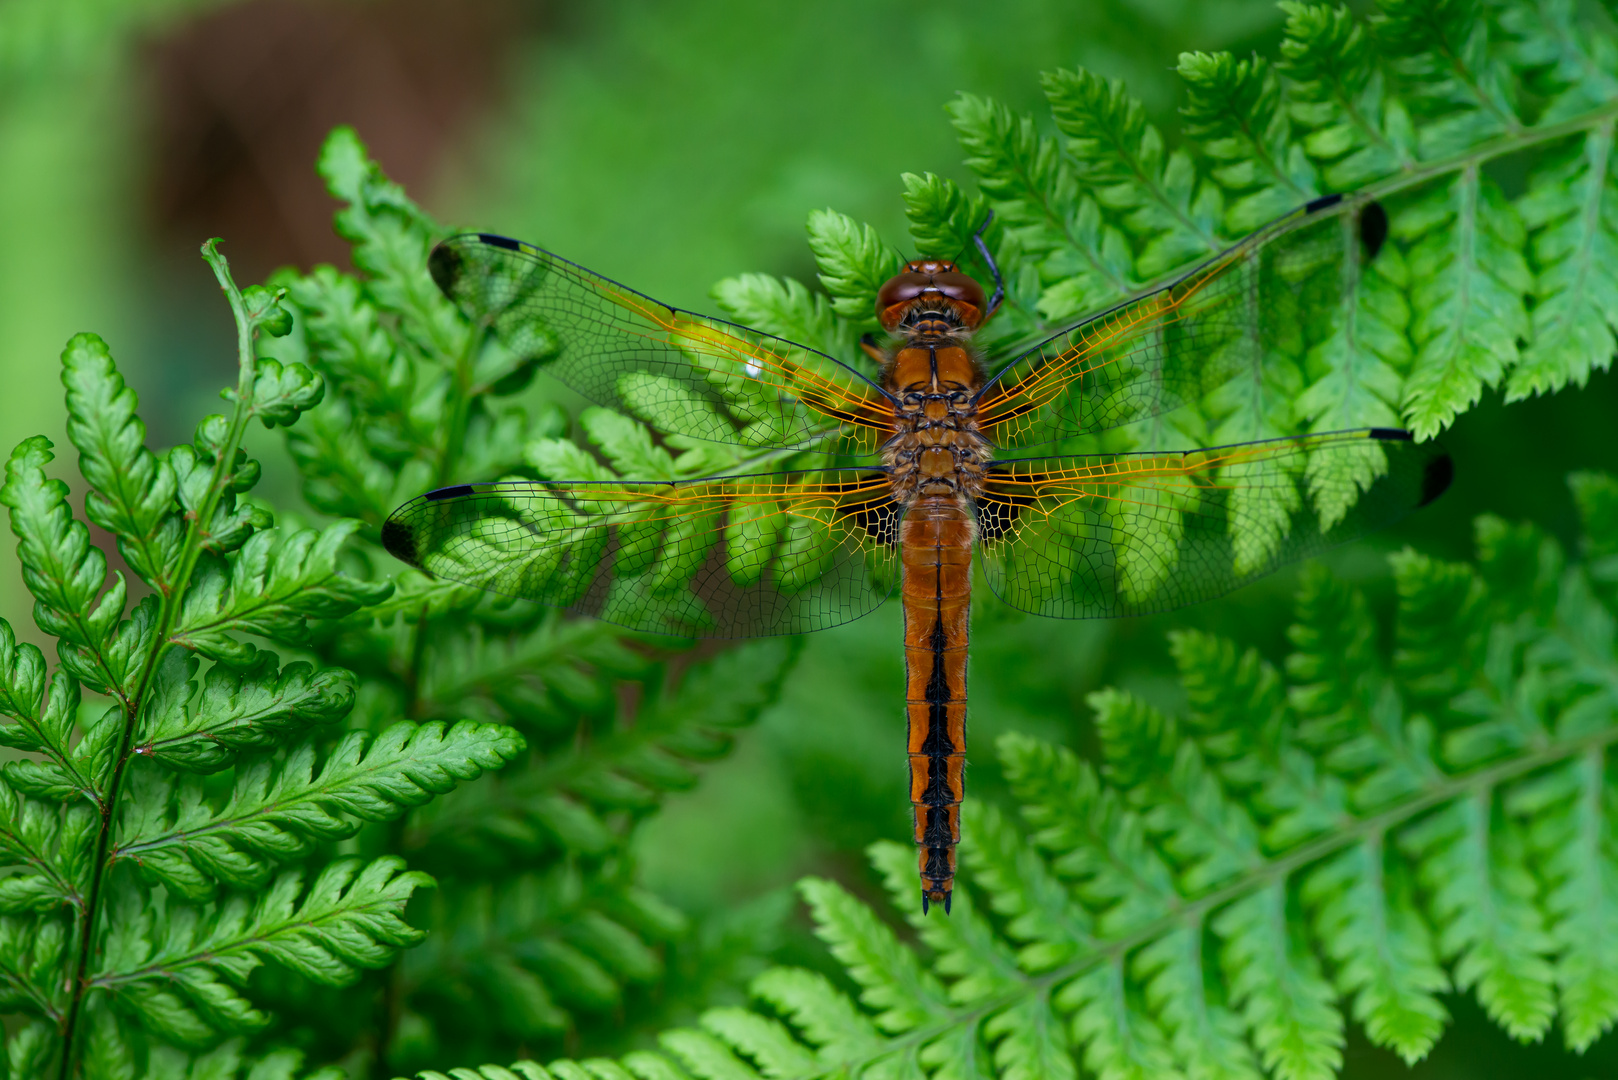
(780, 553)
(680, 372)
(1271, 295)
(1066, 536)
(1131, 534)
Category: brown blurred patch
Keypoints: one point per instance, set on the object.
(245, 95)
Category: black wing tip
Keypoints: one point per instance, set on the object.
(399, 540)
(454, 491)
(1322, 203)
(1392, 434)
(1436, 478)
(496, 240)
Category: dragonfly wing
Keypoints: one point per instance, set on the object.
(683, 373)
(1272, 296)
(778, 553)
(1131, 534)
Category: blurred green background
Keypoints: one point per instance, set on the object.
(667, 145)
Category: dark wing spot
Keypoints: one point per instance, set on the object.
(454, 492)
(445, 265)
(1373, 229)
(1435, 480)
(997, 513)
(1321, 203)
(878, 516)
(500, 241)
(1392, 434)
(399, 540)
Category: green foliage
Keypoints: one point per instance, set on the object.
(1476, 288)
(207, 859)
(205, 786)
(1387, 817)
(539, 928)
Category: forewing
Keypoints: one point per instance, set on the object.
(680, 372)
(1130, 534)
(778, 553)
(1269, 297)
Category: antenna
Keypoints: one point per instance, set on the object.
(999, 282)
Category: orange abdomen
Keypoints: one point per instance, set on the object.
(935, 541)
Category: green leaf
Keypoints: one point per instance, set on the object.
(1156, 198)
(277, 812)
(282, 393)
(1468, 278)
(783, 307)
(895, 986)
(1278, 987)
(943, 218)
(1571, 212)
(627, 445)
(1473, 862)
(1384, 957)
(131, 490)
(1570, 812)
(853, 261)
(1234, 108)
(1459, 89)
(63, 570)
(176, 969)
(237, 711)
(1082, 261)
(276, 583)
(1356, 128)
(49, 847)
(44, 715)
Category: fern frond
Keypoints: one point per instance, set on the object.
(1471, 290)
(278, 581)
(784, 307)
(43, 715)
(569, 798)
(277, 811)
(237, 711)
(177, 969)
(1571, 213)
(49, 848)
(1079, 262)
(132, 491)
(1357, 129)
(1459, 90)
(66, 573)
(545, 929)
(1234, 109)
(1120, 155)
(853, 261)
(1241, 879)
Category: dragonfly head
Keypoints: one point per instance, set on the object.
(933, 287)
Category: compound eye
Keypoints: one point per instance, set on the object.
(900, 288)
(958, 286)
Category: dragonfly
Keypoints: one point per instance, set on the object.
(851, 486)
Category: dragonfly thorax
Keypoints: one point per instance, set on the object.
(936, 449)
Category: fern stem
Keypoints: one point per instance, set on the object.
(460, 410)
(1520, 140)
(190, 552)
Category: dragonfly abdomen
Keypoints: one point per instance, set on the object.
(936, 538)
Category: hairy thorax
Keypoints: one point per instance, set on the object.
(936, 450)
